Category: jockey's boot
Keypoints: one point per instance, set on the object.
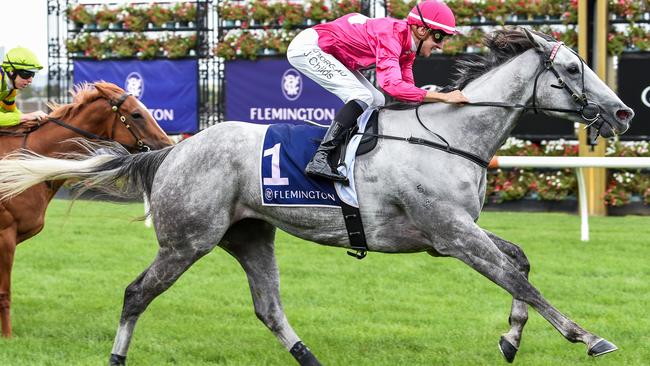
(319, 166)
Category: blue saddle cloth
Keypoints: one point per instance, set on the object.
(285, 153)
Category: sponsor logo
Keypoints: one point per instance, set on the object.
(645, 96)
(291, 114)
(322, 63)
(291, 84)
(298, 194)
(134, 84)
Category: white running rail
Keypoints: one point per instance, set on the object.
(572, 162)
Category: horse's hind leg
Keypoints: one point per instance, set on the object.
(169, 265)
(509, 342)
(251, 242)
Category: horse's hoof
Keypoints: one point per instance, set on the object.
(117, 360)
(303, 355)
(508, 350)
(601, 347)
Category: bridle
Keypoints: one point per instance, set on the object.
(587, 110)
(115, 107)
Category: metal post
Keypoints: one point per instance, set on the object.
(592, 18)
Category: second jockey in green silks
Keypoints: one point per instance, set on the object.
(19, 66)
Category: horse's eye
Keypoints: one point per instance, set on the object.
(573, 69)
(136, 115)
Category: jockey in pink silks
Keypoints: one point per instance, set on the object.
(332, 54)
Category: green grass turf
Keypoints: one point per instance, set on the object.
(409, 309)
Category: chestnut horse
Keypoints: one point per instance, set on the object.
(100, 111)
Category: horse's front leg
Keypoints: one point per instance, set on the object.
(7, 251)
(509, 342)
(464, 240)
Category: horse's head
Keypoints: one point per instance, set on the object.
(109, 113)
(569, 86)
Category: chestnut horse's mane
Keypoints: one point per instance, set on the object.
(82, 94)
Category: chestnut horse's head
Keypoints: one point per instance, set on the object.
(105, 111)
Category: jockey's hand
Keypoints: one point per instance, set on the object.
(455, 97)
(33, 118)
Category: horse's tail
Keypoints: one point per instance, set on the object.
(107, 167)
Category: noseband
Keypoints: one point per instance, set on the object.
(115, 107)
(589, 111)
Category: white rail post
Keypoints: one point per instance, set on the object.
(584, 207)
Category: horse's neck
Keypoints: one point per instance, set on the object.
(482, 130)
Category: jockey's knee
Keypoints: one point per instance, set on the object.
(378, 99)
(364, 100)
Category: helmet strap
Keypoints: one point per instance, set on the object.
(417, 53)
(12, 74)
(424, 24)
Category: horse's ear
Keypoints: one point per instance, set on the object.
(100, 88)
(538, 42)
(105, 89)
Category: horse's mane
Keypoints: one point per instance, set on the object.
(82, 94)
(503, 45)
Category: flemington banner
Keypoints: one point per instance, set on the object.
(634, 90)
(272, 91)
(168, 88)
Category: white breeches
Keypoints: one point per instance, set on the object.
(305, 55)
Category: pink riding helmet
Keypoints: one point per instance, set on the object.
(436, 15)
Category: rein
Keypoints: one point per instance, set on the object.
(115, 107)
(432, 144)
(589, 111)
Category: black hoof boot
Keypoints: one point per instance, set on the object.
(117, 360)
(601, 347)
(303, 355)
(508, 350)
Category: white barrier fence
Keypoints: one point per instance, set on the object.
(572, 162)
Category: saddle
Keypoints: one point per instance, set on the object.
(367, 144)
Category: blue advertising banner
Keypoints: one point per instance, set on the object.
(169, 89)
(272, 91)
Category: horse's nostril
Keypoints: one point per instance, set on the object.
(623, 115)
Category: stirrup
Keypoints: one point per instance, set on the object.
(331, 176)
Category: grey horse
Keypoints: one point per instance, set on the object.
(205, 191)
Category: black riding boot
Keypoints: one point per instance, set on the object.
(319, 165)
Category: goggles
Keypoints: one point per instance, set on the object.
(437, 35)
(25, 74)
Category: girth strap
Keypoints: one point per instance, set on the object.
(356, 234)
